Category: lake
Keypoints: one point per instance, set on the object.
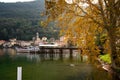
(48, 67)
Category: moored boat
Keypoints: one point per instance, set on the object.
(27, 49)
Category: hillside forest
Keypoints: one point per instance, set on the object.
(22, 20)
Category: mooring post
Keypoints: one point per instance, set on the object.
(19, 73)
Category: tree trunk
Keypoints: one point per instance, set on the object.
(114, 54)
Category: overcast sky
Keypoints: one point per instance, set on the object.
(15, 0)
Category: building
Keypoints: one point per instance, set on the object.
(24, 43)
(2, 42)
(36, 40)
(12, 41)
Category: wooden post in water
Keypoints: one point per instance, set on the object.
(81, 56)
(61, 53)
(19, 73)
(51, 54)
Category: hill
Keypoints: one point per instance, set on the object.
(21, 20)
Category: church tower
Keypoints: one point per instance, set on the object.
(37, 39)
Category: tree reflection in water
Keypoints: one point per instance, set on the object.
(49, 67)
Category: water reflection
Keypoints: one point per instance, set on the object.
(45, 56)
(42, 57)
(1, 52)
(66, 55)
(53, 66)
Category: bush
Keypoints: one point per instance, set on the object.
(106, 58)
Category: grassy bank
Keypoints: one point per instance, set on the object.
(106, 58)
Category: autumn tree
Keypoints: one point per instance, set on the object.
(80, 19)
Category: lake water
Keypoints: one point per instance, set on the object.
(47, 67)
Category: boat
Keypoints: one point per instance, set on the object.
(27, 49)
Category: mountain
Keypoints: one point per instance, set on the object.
(21, 20)
(21, 9)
